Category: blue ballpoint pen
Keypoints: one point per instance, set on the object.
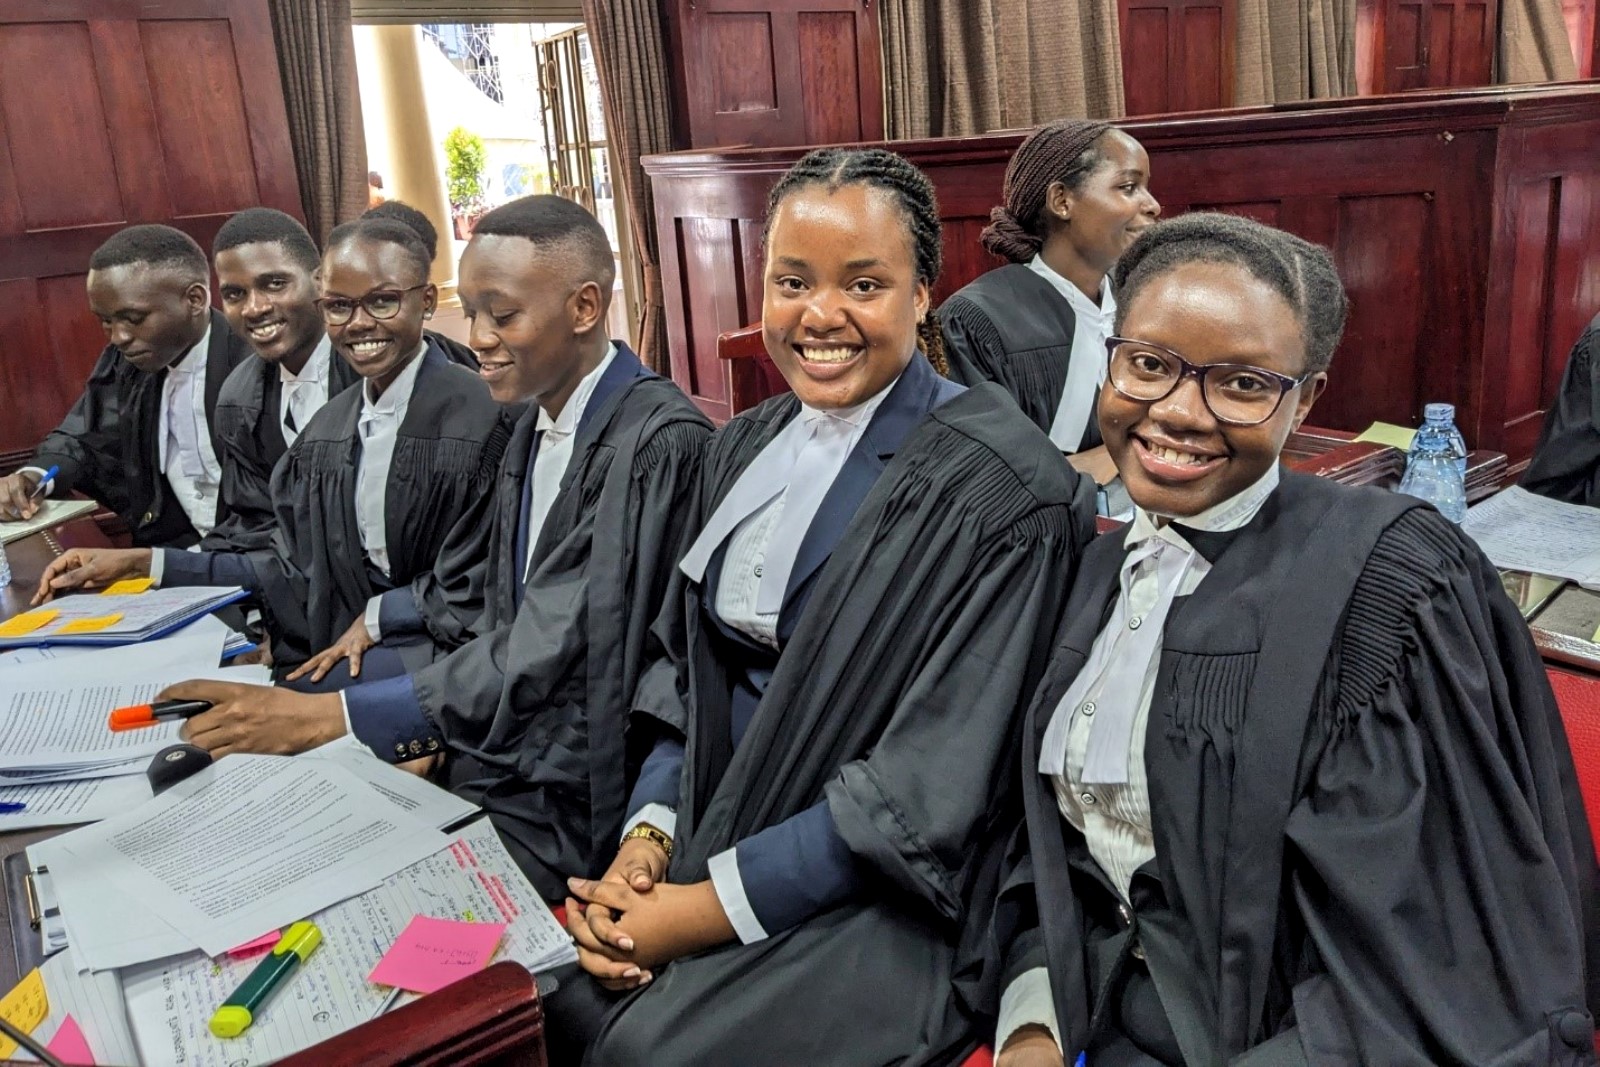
(11, 807)
(44, 483)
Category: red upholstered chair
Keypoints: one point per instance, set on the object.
(1578, 696)
(492, 1019)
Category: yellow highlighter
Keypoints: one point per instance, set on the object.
(239, 1011)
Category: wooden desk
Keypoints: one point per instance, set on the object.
(30, 556)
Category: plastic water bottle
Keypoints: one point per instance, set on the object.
(1436, 465)
(5, 568)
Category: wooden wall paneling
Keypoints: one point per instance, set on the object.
(1178, 55)
(167, 113)
(776, 72)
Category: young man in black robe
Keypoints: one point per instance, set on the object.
(373, 485)
(1566, 462)
(877, 560)
(530, 715)
(1296, 788)
(142, 438)
(1076, 194)
(267, 268)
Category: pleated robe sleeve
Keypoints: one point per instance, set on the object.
(972, 344)
(1566, 461)
(1438, 857)
(87, 445)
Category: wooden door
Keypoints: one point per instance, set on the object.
(114, 112)
(1428, 44)
(777, 72)
(1177, 55)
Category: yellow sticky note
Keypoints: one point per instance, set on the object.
(127, 585)
(25, 1007)
(24, 624)
(90, 626)
(1387, 433)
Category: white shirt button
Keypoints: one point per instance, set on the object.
(1086, 797)
(1088, 709)
(758, 570)
(1133, 624)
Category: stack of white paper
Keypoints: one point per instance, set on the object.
(196, 647)
(250, 844)
(1523, 531)
(95, 1003)
(474, 879)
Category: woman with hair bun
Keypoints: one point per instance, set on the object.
(1076, 195)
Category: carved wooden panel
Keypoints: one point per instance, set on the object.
(114, 112)
(1177, 55)
(776, 72)
(1424, 44)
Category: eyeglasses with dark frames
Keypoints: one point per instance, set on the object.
(381, 304)
(1235, 393)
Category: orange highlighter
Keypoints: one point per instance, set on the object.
(138, 716)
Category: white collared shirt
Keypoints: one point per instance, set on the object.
(555, 452)
(184, 449)
(1115, 818)
(379, 426)
(742, 566)
(1086, 370)
(303, 393)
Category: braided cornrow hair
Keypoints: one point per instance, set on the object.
(1064, 152)
(1301, 272)
(833, 168)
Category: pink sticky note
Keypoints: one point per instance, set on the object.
(260, 945)
(431, 953)
(69, 1045)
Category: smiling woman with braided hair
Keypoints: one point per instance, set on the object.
(1076, 195)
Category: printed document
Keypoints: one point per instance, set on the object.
(1523, 531)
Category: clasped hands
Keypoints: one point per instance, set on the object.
(630, 921)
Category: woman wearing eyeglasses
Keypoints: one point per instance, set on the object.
(1296, 789)
(373, 483)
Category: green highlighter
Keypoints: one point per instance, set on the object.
(239, 1011)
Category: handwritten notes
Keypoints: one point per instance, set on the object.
(431, 953)
(25, 1007)
(70, 1046)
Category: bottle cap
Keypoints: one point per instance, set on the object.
(1439, 413)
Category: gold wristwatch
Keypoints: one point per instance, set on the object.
(655, 836)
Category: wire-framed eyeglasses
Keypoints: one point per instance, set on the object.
(1236, 393)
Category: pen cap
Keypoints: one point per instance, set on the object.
(302, 938)
(132, 717)
(230, 1020)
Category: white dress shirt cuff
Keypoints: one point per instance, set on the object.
(158, 566)
(38, 472)
(344, 709)
(660, 816)
(726, 880)
(1026, 1002)
(370, 619)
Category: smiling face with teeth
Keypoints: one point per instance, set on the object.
(377, 349)
(269, 298)
(842, 296)
(1175, 458)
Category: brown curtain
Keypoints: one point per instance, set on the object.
(958, 67)
(630, 53)
(316, 57)
(1288, 50)
(1533, 46)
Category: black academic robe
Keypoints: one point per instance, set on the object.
(250, 443)
(316, 579)
(1012, 327)
(1566, 462)
(1369, 842)
(107, 445)
(455, 351)
(533, 712)
(894, 698)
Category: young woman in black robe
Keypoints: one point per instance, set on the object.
(1076, 195)
(1296, 788)
(876, 557)
(1566, 462)
(325, 569)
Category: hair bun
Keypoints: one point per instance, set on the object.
(1008, 238)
